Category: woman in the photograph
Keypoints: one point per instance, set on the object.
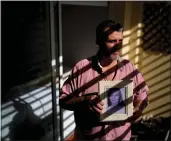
(115, 99)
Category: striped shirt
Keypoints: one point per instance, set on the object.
(83, 80)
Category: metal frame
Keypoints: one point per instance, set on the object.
(60, 62)
(51, 22)
(56, 55)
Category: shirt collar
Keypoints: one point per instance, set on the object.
(119, 60)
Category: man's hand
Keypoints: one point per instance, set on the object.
(95, 104)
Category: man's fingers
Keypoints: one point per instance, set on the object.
(100, 106)
(97, 110)
(102, 103)
(93, 97)
(96, 104)
(91, 109)
(95, 100)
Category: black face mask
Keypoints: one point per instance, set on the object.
(107, 52)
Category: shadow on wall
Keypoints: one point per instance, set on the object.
(157, 27)
(28, 115)
(153, 62)
(25, 124)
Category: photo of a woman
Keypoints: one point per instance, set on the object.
(115, 100)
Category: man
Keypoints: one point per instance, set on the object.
(80, 91)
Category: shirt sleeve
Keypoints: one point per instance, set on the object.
(70, 85)
(140, 89)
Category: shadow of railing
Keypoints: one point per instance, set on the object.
(40, 103)
(159, 29)
(154, 64)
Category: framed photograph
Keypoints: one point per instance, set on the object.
(118, 100)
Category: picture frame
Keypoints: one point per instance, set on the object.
(118, 100)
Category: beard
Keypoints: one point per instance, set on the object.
(111, 53)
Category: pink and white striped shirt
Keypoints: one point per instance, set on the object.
(83, 80)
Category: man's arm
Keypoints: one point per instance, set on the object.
(140, 93)
(70, 103)
(69, 98)
(139, 106)
(74, 102)
(89, 101)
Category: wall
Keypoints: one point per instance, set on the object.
(117, 11)
(79, 30)
(155, 67)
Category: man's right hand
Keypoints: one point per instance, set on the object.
(95, 104)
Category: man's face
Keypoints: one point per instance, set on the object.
(113, 45)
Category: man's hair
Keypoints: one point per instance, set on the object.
(104, 29)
